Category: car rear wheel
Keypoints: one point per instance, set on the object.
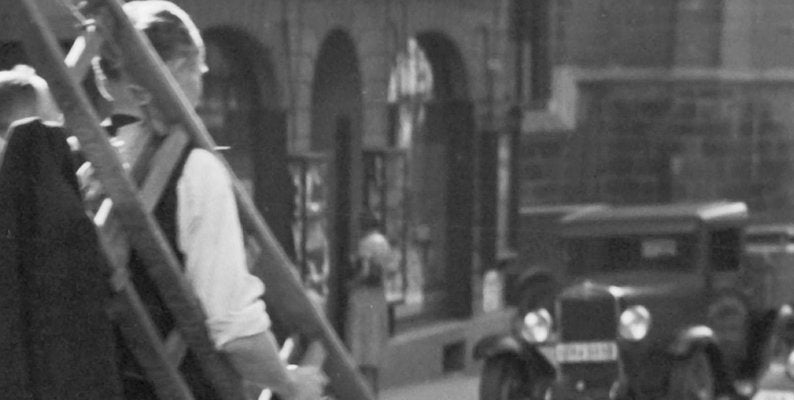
(505, 378)
(692, 379)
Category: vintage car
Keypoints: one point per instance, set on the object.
(541, 255)
(777, 381)
(657, 301)
(770, 251)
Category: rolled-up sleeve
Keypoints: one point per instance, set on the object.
(211, 239)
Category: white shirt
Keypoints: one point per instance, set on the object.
(210, 237)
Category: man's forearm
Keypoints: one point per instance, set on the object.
(256, 358)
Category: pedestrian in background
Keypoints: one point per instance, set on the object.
(368, 313)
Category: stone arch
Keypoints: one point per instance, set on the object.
(257, 61)
(450, 80)
(441, 174)
(336, 132)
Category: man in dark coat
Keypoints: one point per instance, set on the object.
(56, 339)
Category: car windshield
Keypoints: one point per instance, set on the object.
(630, 253)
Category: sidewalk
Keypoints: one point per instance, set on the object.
(458, 386)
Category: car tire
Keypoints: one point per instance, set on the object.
(503, 378)
(692, 378)
(506, 377)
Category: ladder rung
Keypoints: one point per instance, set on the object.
(131, 316)
(83, 50)
(143, 341)
(116, 244)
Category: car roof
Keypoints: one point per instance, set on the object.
(770, 223)
(781, 228)
(560, 209)
(656, 218)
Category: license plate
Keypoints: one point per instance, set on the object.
(586, 352)
(773, 395)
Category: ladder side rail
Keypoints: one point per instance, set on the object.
(145, 233)
(135, 324)
(276, 266)
(162, 165)
(143, 340)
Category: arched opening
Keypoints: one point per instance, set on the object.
(336, 135)
(436, 127)
(241, 109)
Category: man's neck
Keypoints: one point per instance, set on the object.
(130, 140)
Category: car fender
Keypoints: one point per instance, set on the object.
(493, 345)
(534, 279)
(692, 338)
(498, 345)
(701, 337)
(535, 275)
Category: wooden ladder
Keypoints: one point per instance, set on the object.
(132, 199)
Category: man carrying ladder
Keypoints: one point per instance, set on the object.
(197, 211)
(199, 216)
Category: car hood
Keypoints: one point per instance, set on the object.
(645, 284)
(674, 300)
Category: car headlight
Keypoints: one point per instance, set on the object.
(635, 322)
(537, 326)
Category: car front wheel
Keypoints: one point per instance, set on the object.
(692, 378)
(505, 377)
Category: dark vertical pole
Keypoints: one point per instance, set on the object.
(274, 192)
(459, 137)
(341, 221)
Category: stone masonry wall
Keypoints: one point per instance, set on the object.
(646, 142)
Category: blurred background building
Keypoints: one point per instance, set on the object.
(446, 118)
(657, 101)
(327, 109)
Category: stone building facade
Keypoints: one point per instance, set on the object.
(658, 101)
(301, 98)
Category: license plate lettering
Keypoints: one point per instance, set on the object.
(586, 352)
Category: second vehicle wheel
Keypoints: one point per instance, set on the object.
(508, 378)
(692, 379)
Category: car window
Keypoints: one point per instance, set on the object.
(630, 253)
(725, 249)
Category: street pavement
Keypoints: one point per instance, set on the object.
(458, 386)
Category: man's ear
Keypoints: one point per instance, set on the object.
(141, 96)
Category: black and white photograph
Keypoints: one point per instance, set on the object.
(396, 200)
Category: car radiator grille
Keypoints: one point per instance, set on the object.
(588, 319)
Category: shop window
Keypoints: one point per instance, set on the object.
(410, 91)
(385, 172)
(310, 228)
